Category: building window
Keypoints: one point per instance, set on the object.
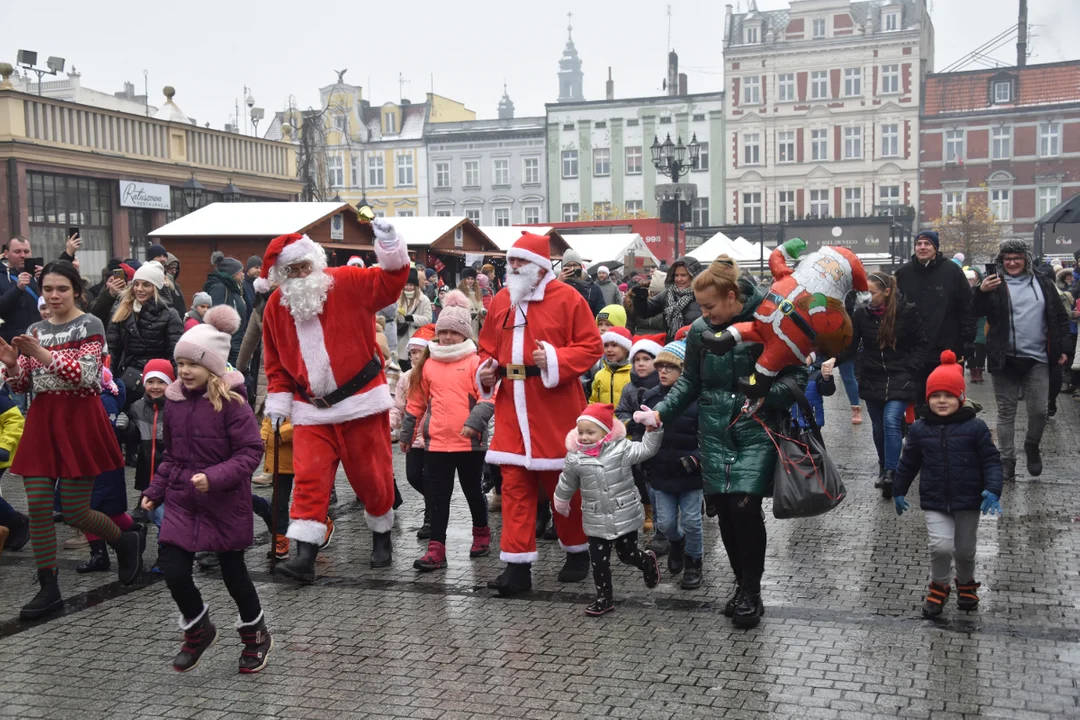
(752, 35)
(817, 27)
(751, 149)
(819, 85)
(819, 145)
(952, 203)
(532, 214)
(568, 126)
(889, 195)
(665, 120)
(1001, 204)
(1049, 197)
(635, 207)
(500, 168)
(751, 211)
(786, 87)
(380, 213)
(390, 123)
(890, 79)
(1000, 143)
(335, 171)
(473, 214)
(405, 169)
(599, 124)
(442, 213)
(819, 203)
(531, 167)
(852, 81)
(1049, 140)
(601, 161)
(502, 217)
(751, 91)
(375, 174)
(890, 141)
(785, 146)
(892, 21)
(1003, 92)
(442, 174)
(56, 202)
(785, 203)
(702, 162)
(601, 210)
(852, 202)
(405, 213)
(632, 122)
(354, 170)
(472, 173)
(633, 161)
(570, 212)
(341, 122)
(699, 212)
(954, 146)
(569, 164)
(852, 143)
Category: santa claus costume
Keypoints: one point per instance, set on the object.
(536, 406)
(324, 372)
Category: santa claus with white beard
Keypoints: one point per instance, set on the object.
(538, 339)
(324, 372)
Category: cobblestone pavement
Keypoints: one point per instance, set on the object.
(842, 636)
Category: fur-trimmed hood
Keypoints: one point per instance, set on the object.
(1015, 246)
(618, 432)
(234, 378)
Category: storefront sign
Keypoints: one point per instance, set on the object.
(144, 195)
(860, 238)
(337, 227)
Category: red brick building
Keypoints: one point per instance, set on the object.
(1007, 137)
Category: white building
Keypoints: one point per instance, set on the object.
(823, 107)
(70, 89)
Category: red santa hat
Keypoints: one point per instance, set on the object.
(284, 250)
(601, 415)
(858, 273)
(645, 344)
(619, 335)
(683, 332)
(422, 336)
(159, 368)
(355, 261)
(534, 248)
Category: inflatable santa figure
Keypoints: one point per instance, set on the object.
(803, 310)
(324, 372)
(538, 339)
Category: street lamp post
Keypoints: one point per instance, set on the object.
(671, 160)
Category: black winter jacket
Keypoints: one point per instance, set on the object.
(224, 290)
(996, 305)
(940, 292)
(955, 459)
(590, 291)
(666, 471)
(18, 308)
(142, 337)
(888, 373)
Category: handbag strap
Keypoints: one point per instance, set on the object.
(800, 400)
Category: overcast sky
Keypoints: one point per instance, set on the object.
(210, 50)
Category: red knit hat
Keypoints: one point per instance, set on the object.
(534, 248)
(284, 249)
(602, 415)
(947, 377)
(160, 369)
(619, 335)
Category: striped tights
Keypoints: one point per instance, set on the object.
(75, 504)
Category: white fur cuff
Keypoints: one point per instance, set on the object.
(519, 558)
(185, 626)
(309, 531)
(390, 249)
(550, 374)
(240, 624)
(486, 394)
(574, 548)
(380, 523)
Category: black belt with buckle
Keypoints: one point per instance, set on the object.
(519, 372)
(347, 390)
(788, 309)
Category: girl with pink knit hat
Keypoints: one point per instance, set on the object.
(446, 410)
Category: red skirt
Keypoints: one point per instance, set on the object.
(67, 436)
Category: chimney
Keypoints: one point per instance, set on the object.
(1021, 36)
(610, 85)
(682, 84)
(672, 73)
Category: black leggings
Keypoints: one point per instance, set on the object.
(742, 528)
(414, 469)
(439, 468)
(176, 564)
(626, 548)
(979, 361)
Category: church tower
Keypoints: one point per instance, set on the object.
(506, 106)
(570, 75)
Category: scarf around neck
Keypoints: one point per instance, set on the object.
(593, 450)
(451, 353)
(677, 302)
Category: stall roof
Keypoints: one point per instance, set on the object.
(425, 231)
(255, 219)
(600, 248)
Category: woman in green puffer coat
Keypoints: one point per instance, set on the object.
(737, 456)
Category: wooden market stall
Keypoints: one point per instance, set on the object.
(445, 243)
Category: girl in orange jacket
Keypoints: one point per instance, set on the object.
(445, 409)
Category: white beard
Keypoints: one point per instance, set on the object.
(306, 297)
(522, 282)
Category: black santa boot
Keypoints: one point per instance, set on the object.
(515, 580)
(301, 567)
(382, 551)
(576, 567)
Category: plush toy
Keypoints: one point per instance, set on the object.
(803, 311)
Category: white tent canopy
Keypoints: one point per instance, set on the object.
(599, 248)
(740, 249)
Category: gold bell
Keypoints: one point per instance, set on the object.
(365, 214)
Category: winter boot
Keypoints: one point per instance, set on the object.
(602, 605)
(481, 541)
(99, 558)
(749, 609)
(729, 606)
(382, 551)
(552, 532)
(691, 579)
(651, 570)
(128, 556)
(543, 517)
(659, 545)
(1008, 469)
(886, 484)
(20, 533)
(1034, 459)
(48, 600)
(302, 565)
(515, 579)
(258, 642)
(576, 567)
(433, 559)
(424, 533)
(880, 476)
(935, 600)
(675, 558)
(199, 635)
(967, 597)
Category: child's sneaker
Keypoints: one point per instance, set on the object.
(934, 602)
(651, 569)
(967, 597)
(600, 606)
(280, 551)
(329, 533)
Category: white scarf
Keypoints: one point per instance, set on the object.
(452, 353)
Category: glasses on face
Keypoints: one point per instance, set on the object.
(297, 271)
(1011, 259)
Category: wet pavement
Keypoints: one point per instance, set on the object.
(842, 636)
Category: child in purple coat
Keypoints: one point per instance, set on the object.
(212, 446)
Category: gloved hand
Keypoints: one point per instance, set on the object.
(562, 507)
(990, 503)
(688, 465)
(409, 319)
(647, 416)
(276, 421)
(122, 421)
(900, 503)
(384, 231)
(794, 247)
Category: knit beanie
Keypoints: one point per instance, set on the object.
(151, 272)
(158, 368)
(201, 298)
(571, 256)
(601, 415)
(947, 377)
(455, 314)
(619, 335)
(931, 236)
(155, 251)
(253, 262)
(208, 344)
(227, 265)
(614, 314)
(644, 344)
(674, 353)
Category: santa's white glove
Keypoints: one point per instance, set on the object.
(647, 416)
(562, 507)
(276, 421)
(384, 232)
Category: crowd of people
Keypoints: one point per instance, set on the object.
(611, 404)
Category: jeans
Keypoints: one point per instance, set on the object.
(851, 385)
(176, 564)
(887, 417)
(952, 538)
(668, 506)
(20, 400)
(742, 528)
(439, 470)
(1036, 385)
